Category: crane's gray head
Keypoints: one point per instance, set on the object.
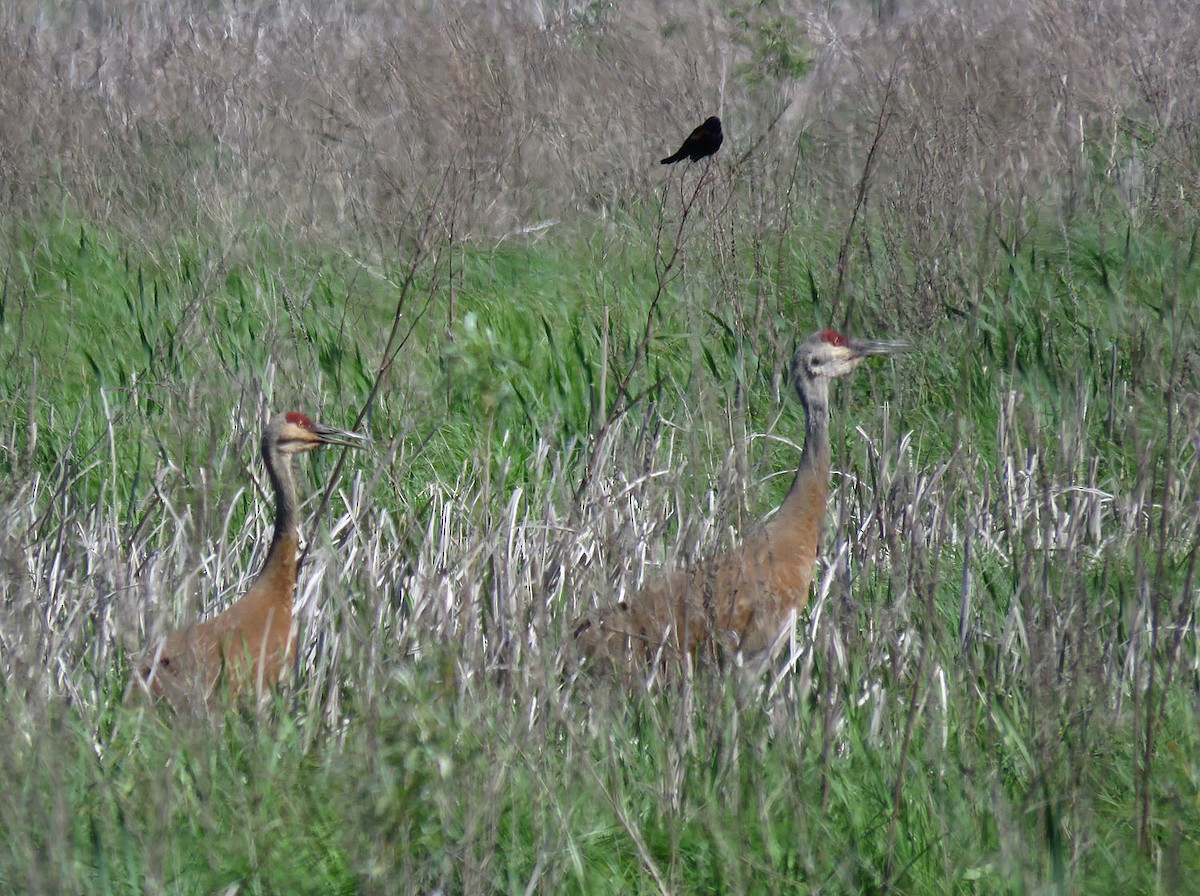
(294, 432)
(828, 354)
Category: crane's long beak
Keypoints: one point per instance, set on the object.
(866, 347)
(330, 436)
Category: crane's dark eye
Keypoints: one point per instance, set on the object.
(165, 661)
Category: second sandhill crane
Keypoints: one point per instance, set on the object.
(249, 645)
(738, 602)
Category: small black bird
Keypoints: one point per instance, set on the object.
(703, 141)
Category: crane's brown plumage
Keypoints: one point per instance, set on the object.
(248, 645)
(739, 601)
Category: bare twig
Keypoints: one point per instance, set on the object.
(881, 123)
(665, 271)
(394, 343)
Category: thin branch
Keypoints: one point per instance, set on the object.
(881, 123)
(394, 344)
(665, 272)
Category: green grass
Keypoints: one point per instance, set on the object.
(431, 746)
(452, 790)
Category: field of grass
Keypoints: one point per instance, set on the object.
(573, 365)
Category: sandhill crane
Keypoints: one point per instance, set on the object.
(738, 602)
(700, 143)
(250, 643)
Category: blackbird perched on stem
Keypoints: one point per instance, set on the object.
(702, 142)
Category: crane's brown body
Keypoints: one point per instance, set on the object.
(738, 602)
(249, 645)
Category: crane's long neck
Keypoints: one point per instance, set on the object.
(281, 558)
(810, 488)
